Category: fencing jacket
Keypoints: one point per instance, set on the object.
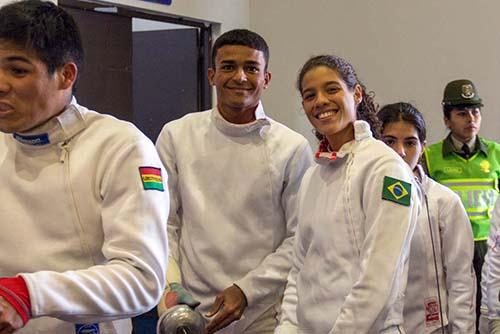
(490, 283)
(234, 211)
(454, 247)
(348, 273)
(78, 223)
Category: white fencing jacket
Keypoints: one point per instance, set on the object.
(77, 223)
(233, 211)
(348, 273)
(454, 247)
(490, 283)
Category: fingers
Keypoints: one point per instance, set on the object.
(219, 301)
(223, 318)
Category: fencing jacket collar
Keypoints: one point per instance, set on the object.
(261, 123)
(325, 155)
(58, 129)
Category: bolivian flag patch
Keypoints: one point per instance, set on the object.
(396, 191)
(151, 178)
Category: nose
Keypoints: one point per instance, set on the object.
(400, 150)
(470, 116)
(321, 99)
(240, 75)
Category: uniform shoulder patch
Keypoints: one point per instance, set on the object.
(397, 191)
(151, 178)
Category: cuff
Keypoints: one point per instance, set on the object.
(15, 291)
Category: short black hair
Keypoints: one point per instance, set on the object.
(43, 28)
(448, 108)
(242, 37)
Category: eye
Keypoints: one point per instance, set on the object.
(252, 69)
(308, 96)
(411, 143)
(18, 71)
(332, 90)
(389, 141)
(226, 67)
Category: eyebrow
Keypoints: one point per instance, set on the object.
(19, 58)
(248, 62)
(405, 138)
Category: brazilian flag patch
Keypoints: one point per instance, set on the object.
(396, 191)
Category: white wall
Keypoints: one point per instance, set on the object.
(403, 50)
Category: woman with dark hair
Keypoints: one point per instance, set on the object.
(439, 295)
(357, 211)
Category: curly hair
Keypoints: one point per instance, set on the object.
(367, 109)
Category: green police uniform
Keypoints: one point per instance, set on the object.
(475, 179)
(473, 175)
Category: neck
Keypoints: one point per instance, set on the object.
(237, 115)
(337, 140)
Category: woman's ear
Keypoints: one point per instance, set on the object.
(358, 94)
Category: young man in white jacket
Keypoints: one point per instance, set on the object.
(234, 175)
(84, 206)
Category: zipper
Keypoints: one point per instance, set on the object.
(64, 159)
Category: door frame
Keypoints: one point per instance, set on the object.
(204, 29)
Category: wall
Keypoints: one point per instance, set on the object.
(402, 50)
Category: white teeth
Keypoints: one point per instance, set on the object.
(325, 115)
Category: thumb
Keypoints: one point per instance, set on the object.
(216, 306)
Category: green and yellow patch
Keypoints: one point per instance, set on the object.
(397, 191)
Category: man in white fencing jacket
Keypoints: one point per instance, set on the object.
(83, 201)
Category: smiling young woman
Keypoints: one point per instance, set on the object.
(357, 212)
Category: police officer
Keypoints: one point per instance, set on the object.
(467, 163)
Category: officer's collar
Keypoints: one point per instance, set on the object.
(58, 129)
(325, 154)
(449, 147)
(261, 123)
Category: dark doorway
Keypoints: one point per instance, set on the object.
(165, 72)
(145, 77)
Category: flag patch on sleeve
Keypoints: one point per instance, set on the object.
(151, 178)
(396, 191)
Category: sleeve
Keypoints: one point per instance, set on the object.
(388, 230)
(268, 279)
(458, 251)
(288, 323)
(166, 151)
(493, 269)
(131, 278)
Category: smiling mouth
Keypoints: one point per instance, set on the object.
(326, 114)
(5, 107)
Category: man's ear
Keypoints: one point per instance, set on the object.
(267, 79)
(67, 75)
(210, 75)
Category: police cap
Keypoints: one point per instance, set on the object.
(461, 92)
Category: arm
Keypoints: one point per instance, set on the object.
(493, 265)
(166, 152)
(458, 250)
(269, 278)
(174, 292)
(288, 323)
(389, 227)
(130, 279)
